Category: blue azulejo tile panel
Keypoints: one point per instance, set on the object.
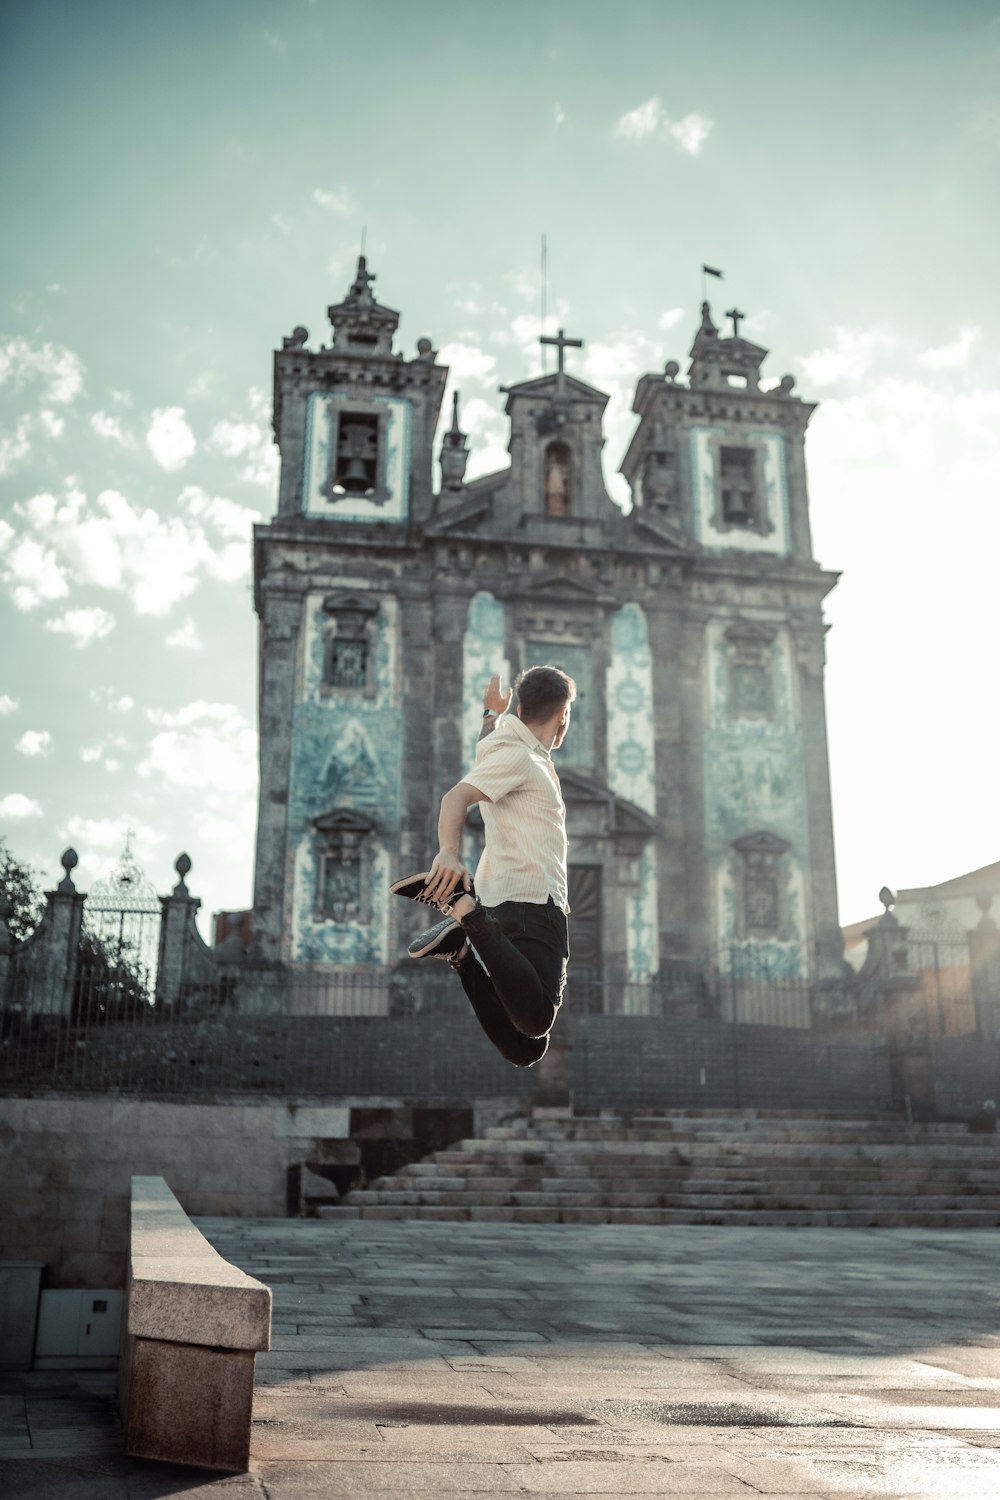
(631, 771)
(482, 655)
(346, 755)
(770, 448)
(754, 774)
(395, 419)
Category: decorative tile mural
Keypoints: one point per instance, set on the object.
(755, 783)
(319, 428)
(482, 655)
(705, 481)
(632, 770)
(346, 753)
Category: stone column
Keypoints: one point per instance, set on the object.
(55, 944)
(176, 928)
(984, 960)
(893, 1001)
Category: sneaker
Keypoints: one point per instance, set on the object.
(414, 887)
(444, 940)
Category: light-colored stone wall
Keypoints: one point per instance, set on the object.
(66, 1166)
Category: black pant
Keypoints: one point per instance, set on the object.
(516, 996)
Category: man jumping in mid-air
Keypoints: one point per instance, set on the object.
(506, 935)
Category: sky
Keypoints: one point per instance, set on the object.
(185, 182)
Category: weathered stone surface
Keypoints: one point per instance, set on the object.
(190, 1404)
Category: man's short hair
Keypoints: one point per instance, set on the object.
(542, 692)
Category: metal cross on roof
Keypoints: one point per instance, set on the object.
(737, 318)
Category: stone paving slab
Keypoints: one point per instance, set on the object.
(494, 1359)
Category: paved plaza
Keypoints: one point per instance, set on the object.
(609, 1360)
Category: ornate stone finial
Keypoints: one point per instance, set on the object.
(296, 339)
(69, 862)
(182, 864)
(671, 370)
(708, 329)
(361, 286)
(786, 385)
(984, 900)
(888, 900)
(454, 451)
(425, 349)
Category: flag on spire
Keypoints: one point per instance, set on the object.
(711, 271)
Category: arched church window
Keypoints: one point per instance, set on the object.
(558, 480)
(349, 638)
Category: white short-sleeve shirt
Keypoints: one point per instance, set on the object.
(524, 816)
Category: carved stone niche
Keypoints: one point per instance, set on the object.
(349, 638)
(750, 669)
(343, 866)
(761, 877)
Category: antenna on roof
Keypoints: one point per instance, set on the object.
(544, 297)
(364, 237)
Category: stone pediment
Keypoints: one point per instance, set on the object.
(555, 588)
(565, 388)
(344, 603)
(343, 820)
(624, 818)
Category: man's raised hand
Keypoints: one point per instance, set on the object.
(495, 700)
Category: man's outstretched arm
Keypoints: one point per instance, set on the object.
(447, 864)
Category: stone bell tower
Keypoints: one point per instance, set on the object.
(718, 463)
(354, 421)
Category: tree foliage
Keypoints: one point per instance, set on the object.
(21, 901)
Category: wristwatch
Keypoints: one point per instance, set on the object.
(490, 713)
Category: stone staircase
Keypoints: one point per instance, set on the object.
(689, 1167)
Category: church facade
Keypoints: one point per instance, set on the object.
(695, 774)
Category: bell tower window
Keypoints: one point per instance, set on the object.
(355, 470)
(738, 486)
(558, 480)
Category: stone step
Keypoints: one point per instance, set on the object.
(773, 1198)
(877, 1218)
(701, 1170)
(688, 1186)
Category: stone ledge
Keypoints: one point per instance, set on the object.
(193, 1326)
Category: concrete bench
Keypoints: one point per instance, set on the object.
(192, 1327)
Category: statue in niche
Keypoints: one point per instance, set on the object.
(557, 480)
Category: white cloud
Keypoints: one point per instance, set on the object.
(186, 637)
(84, 626)
(170, 439)
(954, 355)
(670, 318)
(108, 699)
(339, 202)
(15, 446)
(467, 362)
(689, 133)
(203, 384)
(281, 223)
(644, 120)
(559, 115)
(111, 428)
(34, 742)
(30, 570)
(8, 705)
(58, 368)
(53, 424)
(249, 439)
(16, 806)
(487, 432)
(111, 544)
(847, 358)
(205, 745)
